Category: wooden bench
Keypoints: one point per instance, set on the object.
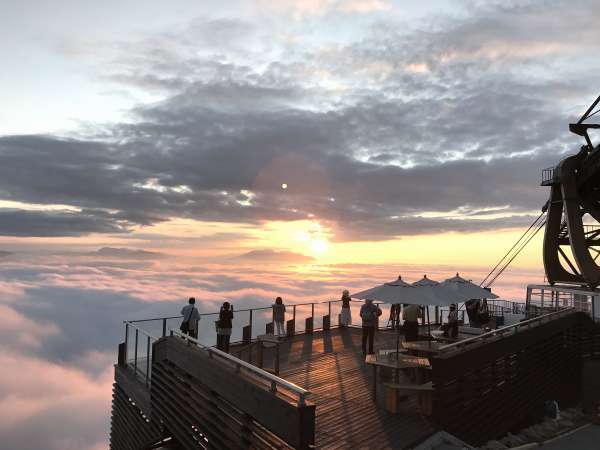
(424, 396)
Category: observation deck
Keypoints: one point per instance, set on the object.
(314, 390)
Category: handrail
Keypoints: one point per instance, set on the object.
(501, 330)
(131, 324)
(258, 308)
(274, 379)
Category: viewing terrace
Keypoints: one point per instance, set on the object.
(314, 388)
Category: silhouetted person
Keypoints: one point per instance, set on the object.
(411, 316)
(224, 327)
(279, 316)
(345, 316)
(395, 315)
(369, 312)
(191, 316)
(452, 325)
(472, 307)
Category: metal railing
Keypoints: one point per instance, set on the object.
(302, 318)
(547, 175)
(139, 357)
(273, 381)
(515, 328)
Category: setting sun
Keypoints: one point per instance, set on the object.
(319, 246)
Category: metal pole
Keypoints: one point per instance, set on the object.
(147, 359)
(250, 320)
(312, 311)
(126, 340)
(135, 353)
(164, 322)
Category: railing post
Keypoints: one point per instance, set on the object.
(164, 330)
(250, 324)
(147, 359)
(126, 340)
(135, 352)
(301, 400)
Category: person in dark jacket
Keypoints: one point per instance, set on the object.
(224, 327)
(279, 316)
(369, 312)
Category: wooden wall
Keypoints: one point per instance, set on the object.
(204, 403)
(130, 427)
(483, 392)
(202, 400)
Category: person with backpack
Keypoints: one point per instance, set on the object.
(191, 316)
(224, 326)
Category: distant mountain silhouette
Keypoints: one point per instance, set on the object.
(275, 256)
(125, 253)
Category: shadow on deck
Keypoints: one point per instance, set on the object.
(331, 366)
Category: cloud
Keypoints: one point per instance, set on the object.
(302, 8)
(38, 400)
(15, 222)
(366, 144)
(125, 253)
(23, 333)
(4, 254)
(274, 256)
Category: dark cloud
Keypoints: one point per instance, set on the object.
(15, 222)
(5, 253)
(459, 116)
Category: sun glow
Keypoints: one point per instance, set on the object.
(319, 246)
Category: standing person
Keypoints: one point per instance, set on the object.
(345, 316)
(369, 313)
(395, 316)
(191, 316)
(452, 325)
(411, 316)
(279, 316)
(472, 307)
(224, 327)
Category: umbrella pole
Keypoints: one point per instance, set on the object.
(397, 342)
(428, 325)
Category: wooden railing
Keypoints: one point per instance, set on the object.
(275, 383)
(503, 331)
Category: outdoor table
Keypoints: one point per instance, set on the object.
(424, 348)
(402, 362)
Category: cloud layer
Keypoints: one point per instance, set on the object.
(369, 134)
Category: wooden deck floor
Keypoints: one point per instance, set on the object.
(330, 365)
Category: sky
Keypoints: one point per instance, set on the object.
(240, 150)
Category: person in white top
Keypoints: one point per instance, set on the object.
(191, 316)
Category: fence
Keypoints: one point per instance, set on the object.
(137, 352)
(481, 391)
(542, 299)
